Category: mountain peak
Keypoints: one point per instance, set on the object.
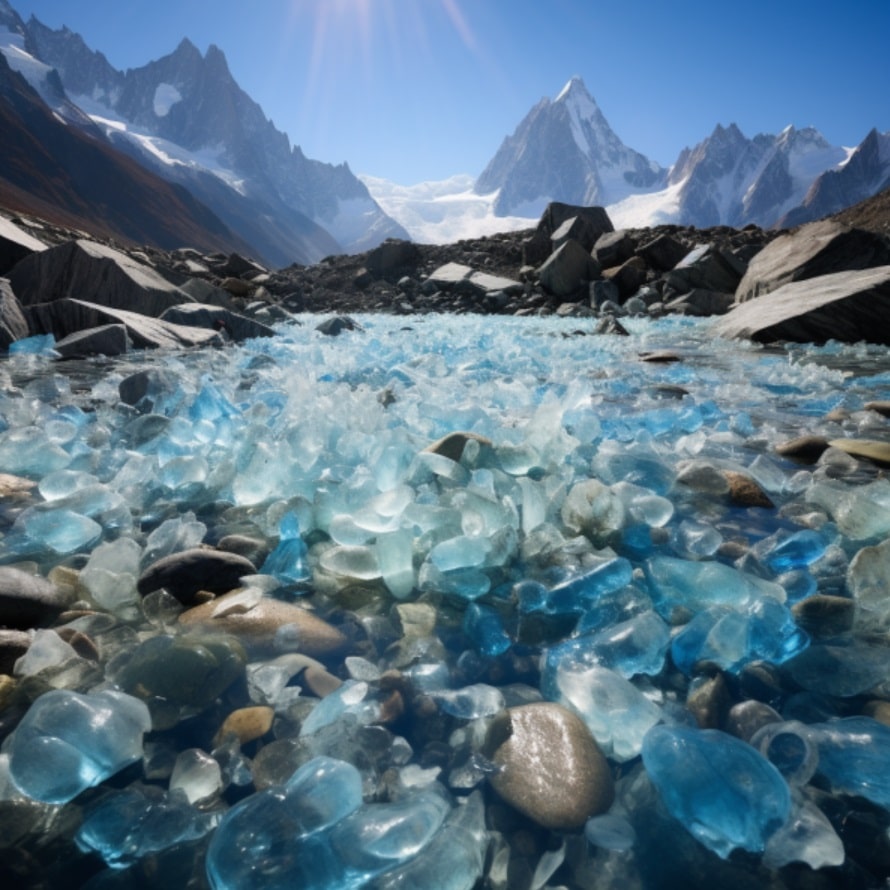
(574, 87)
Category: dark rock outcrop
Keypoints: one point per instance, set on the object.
(13, 324)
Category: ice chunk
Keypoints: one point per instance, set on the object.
(853, 756)
(868, 579)
(351, 698)
(111, 574)
(471, 702)
(635, 646)
(583, 591)
(725, 793)
(61, 530)
(861, 513)
(616, 712)
(730, 638)
(787, 745)
(807, 836)
(47, 650)
(485, 629)
(684, 586)
(839, 669)
(127, 826)
(360, 563)
(68, 742)
(695, 540)
(459, 553)
(795, 551)
(197, 775)
(395, 556)
(611, 831)
(288, 561)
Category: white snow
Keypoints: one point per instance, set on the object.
(166, 96)
(443, 211)
(647, 209)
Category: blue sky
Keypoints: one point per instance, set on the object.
(414, 90)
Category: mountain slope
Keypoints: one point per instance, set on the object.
(565, 150)
(186, 117)
(866, 173)
(64, 174)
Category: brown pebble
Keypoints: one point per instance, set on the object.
(247, 724)
(879, 710)
(709, 702)
(319, 681)
(807, 449)
(452, 446)
(83, 645)
(392, 707)
(7, 687)
(15, 487)
(823, 616)
(876, 451)
(745, 492)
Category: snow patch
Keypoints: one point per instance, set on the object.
(444, 211)
(166, 96)
(648, 209)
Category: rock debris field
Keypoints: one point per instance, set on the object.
(445, 601)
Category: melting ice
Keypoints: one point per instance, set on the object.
(571, 537)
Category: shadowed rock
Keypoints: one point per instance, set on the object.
(13, 324)
(28, 601)
(186, 573)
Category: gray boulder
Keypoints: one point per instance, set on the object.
(662, 252)
(13, 324)
(819, 248)
(603, 291)
(846, 306)
(63, 317)
(629, 277)
(109, 339)
(537, 248)
(702, 302)
(568, 269)
(198, 315)
(145, 388)
(707, 267)
(613, 248)
(15, 245)
(577, 228)
(392, 255)
(85, 270)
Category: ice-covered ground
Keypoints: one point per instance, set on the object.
(576, 542)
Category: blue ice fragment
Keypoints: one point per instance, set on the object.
(582, 591)
(349, 699)
(461, 552)
(730, 638)
(126, 826)
(531, 596)
(796, 551)
(40, 344)
(789, 747)
(798, 584)
(59, 529)
(377, 838)
(321, 793)
(484, 627)
(613, 608)
(842, 670)
(210, 404)
(635, 646)
(853, 756)
(68, 742)
(288, 561)
(725, 793)
(470, 702)
(684, 586)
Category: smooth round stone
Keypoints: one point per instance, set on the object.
(807, 449)
(188, 669)
(184, 574)
(452, 445)
(247, 724)
(13, 645)
(15, 487)
(747, 717)
(871, 449)
(882, 407)
(823, 616)
(745, 492)
(552, 769)
(267, 625)
(28, 601)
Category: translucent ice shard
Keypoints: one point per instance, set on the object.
(68, 742)
(725, 793)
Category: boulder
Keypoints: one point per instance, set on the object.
(603, 291)
(333, 327)
(707, 267)
(629, 277)
(13, 324)
(701, 301)
(537, 248)
(85, 270)
(662, 252)
(392, 255)
(15, 245)
(109, 339)
(65, 316)
(551, 768)
(814, 250)
(847, 306)
(197, 315)
(568, 269)
(144, 388)
(577, 228)
(449, 275)
(613, 248)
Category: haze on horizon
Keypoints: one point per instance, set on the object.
(419, 90)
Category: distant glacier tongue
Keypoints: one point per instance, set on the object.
(331, 568)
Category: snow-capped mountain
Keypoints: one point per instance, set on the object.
(865, 173)
(186, 118)
(565, 150)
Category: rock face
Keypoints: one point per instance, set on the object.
(551, 768)
(15, 245)
(87, 270)
(816, 249)
(846, 306)
(13, 325)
